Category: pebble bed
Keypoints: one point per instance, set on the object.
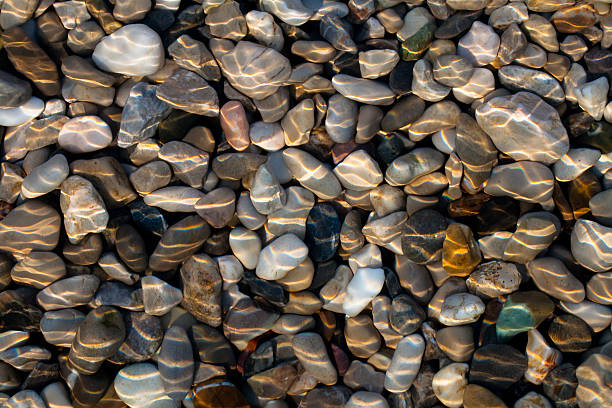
(305, 203)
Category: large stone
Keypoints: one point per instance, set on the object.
(188, 91)
(133, 50)
(525, 127)
(255, 70)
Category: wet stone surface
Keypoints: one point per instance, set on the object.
(305, 203)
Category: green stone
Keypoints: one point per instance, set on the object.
(414, 46)
(522, 312)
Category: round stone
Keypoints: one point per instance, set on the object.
(133, 50)
(138, 384)
(497, 366)
(570, 334)
(84, 134)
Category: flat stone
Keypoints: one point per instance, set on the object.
(21, 114)
(540, 138)
(83, 208)
(493, 279)
(84, 134)
(517, 78)
(338, 33)
(525, 181)
(46, 177)
(592, 98)
(45, 131)
(255, 70)
(38, 269)
(560, 384)
(59, 327)
(174, 198)
(189, 163)
(282, 255)
(600, 207)
(97, 338)
(312, 354)
(405, 363)
(405, 315)
(209, 393)
(363, 376)
(32, 226)
(193, 55)
(158, 296)
(460, 252)
(227, 21)
(141, 115)
(245, 321)
(292, 12)
(298, 122)
(202, 286)
(497, 366)
(408, 167)
(570, 334)
(83, 39)
(552, 277)
(30, 60)
(151, 176)
(217, 207)
(452, 70)
(417, 33)
(311, 173)
(424, 85)
(200, 98)
(175, 363)
(133, 50)
(362, 399)
(362, 338)
(178, 243)
(363, 90)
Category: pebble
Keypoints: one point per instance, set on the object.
(30, 60)
(424, 85)
(497, 366)
(460, 253)
(158, 296)
(311, 173)
(83, 208)
(245, 321)
(248, 69)
(174, 199)
(589, 248)
(560, 384)
(202, 286)
(493, 279)
(405, 363)
(574, 163)
(133, 50)
(188, 91)
(312, 355)
(97, 338)
(525, 181)
(552, 277)
(570, 333)
(363, 90)
(476, 396)
(189, 163)
(522, 312)
(175, 363)
(376, 63)
(362, 399)
(138, 384)
(522, 139)
(141, 115)
(519, 78)
(423, 236)
(363, 376)
(592, 388)
(298, 122)
(38, 269)
(193, 55)
(591, 97)
(449, 384)
(362, 288)
(541, 358)
(15, 116)
(178, 243)
(419, 162)
(45, 177)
